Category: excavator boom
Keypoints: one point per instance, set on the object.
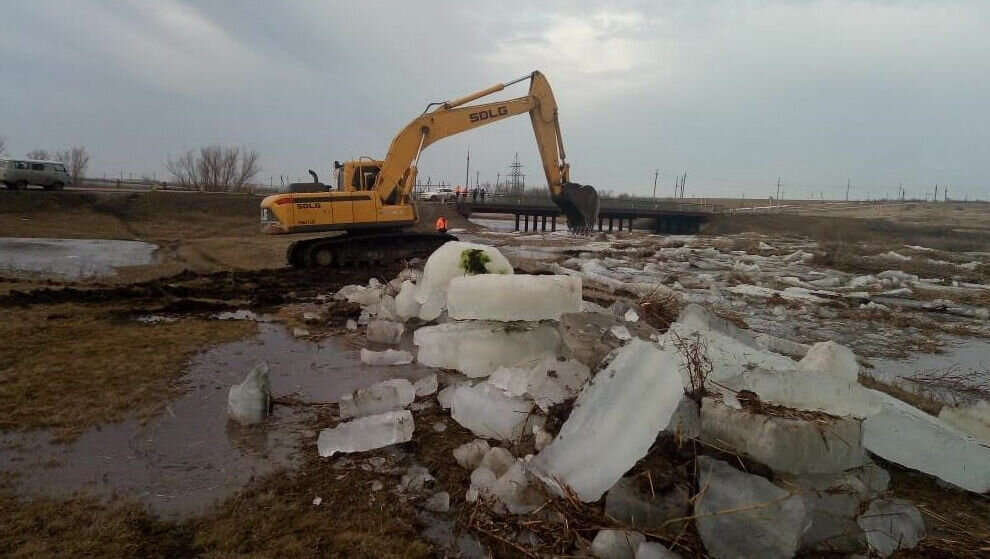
(373, 196)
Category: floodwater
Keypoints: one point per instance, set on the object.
(494, 224)
(961, 358)
(182, 461)
(72, 258)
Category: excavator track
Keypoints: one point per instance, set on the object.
(355, 250)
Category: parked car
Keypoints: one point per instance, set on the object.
(438, 195)
(17, 174)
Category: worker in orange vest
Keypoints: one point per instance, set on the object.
(442, 224)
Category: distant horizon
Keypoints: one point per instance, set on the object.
(735, 95)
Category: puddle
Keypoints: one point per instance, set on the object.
(182, 461)
(72, 258)
(969, 357)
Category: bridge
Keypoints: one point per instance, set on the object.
(659, 216)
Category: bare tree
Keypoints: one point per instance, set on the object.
(38, 154)
(215, 168)
(184, 169)
(3, 144)
(77, 159)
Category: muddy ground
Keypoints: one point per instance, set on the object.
(83, 356)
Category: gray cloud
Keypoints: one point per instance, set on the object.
(733, 93)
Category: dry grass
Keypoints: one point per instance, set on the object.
(69, 367)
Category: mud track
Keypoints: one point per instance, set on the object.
(191, 291)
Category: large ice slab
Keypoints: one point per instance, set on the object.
(454, 259)
(478, 348)
(974, 419)
(622, 410)
(367, 433)
(513, 297)
(742, 515)
(811, 391)
(249, 402)
(381, 397)
(385, 331)
(406, 305)
(833, 359)
(910, 437)
(546, 381)
(784, 444)
(487, 412)
(892, 524)
(388, 357)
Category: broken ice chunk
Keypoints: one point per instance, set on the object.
(367, 433)
(513, 297)
(406, 305)
(621, 332)
(385, 331)
(388, 357)
(831, 358)
(910, 437)
(454, 259)
(498, 460)
(488, 412)
(439, 502)
(784, 444)
(891, 525)
(478, 348)
(469, 455)
(743, 515)
(377, 398)
(616, 544)
(974, 419)
(811, 391)
(249, 402)
(654, 550)
(514, 490)
(426, 385)
(622, 409)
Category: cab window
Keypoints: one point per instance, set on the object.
(37, 166)
(59, 168)
(20, 165)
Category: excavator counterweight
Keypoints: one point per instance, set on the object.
(372, 196)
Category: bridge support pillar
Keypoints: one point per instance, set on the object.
(543, 225)
(610, 225)
(517, 223)
(620, 224)
(525, 223)
(553, 223)
(601, 221)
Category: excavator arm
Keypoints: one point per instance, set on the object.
(398, 173)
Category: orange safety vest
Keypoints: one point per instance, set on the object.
(441, 223)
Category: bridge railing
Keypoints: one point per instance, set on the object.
(612, 204)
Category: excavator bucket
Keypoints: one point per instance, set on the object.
(580, 203)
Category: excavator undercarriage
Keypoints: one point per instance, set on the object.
(364, 248)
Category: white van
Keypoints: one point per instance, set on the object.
(17, 174)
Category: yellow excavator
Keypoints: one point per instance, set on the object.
(371, 201)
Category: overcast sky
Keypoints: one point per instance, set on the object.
(734, 93)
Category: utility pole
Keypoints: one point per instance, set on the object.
(683, 180)
(467, 171)
(847, 189)
(935, 198)
(656, 177)
(945, 193)
(477, 179)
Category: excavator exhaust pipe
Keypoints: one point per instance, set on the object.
(580, 205)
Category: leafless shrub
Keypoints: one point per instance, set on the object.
(77, 160)
(954, 380)
(696, 361)
(660, 307)
(3, 144)
(38, 154)
(215, 168)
